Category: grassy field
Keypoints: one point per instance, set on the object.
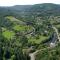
(8, 34)
(19, 26)
(39, 40)
(22, 28)
(57, 26)
(14, 20)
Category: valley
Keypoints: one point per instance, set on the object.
(30, 32)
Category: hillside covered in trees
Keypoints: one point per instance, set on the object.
(25, 29)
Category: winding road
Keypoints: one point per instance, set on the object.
(32, 55)
(56, 30)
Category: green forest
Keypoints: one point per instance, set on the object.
(30, 32)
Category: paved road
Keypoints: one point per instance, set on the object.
(32, 55)
(56, 30)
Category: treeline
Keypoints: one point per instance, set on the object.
(49, 54)
(10, 50)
